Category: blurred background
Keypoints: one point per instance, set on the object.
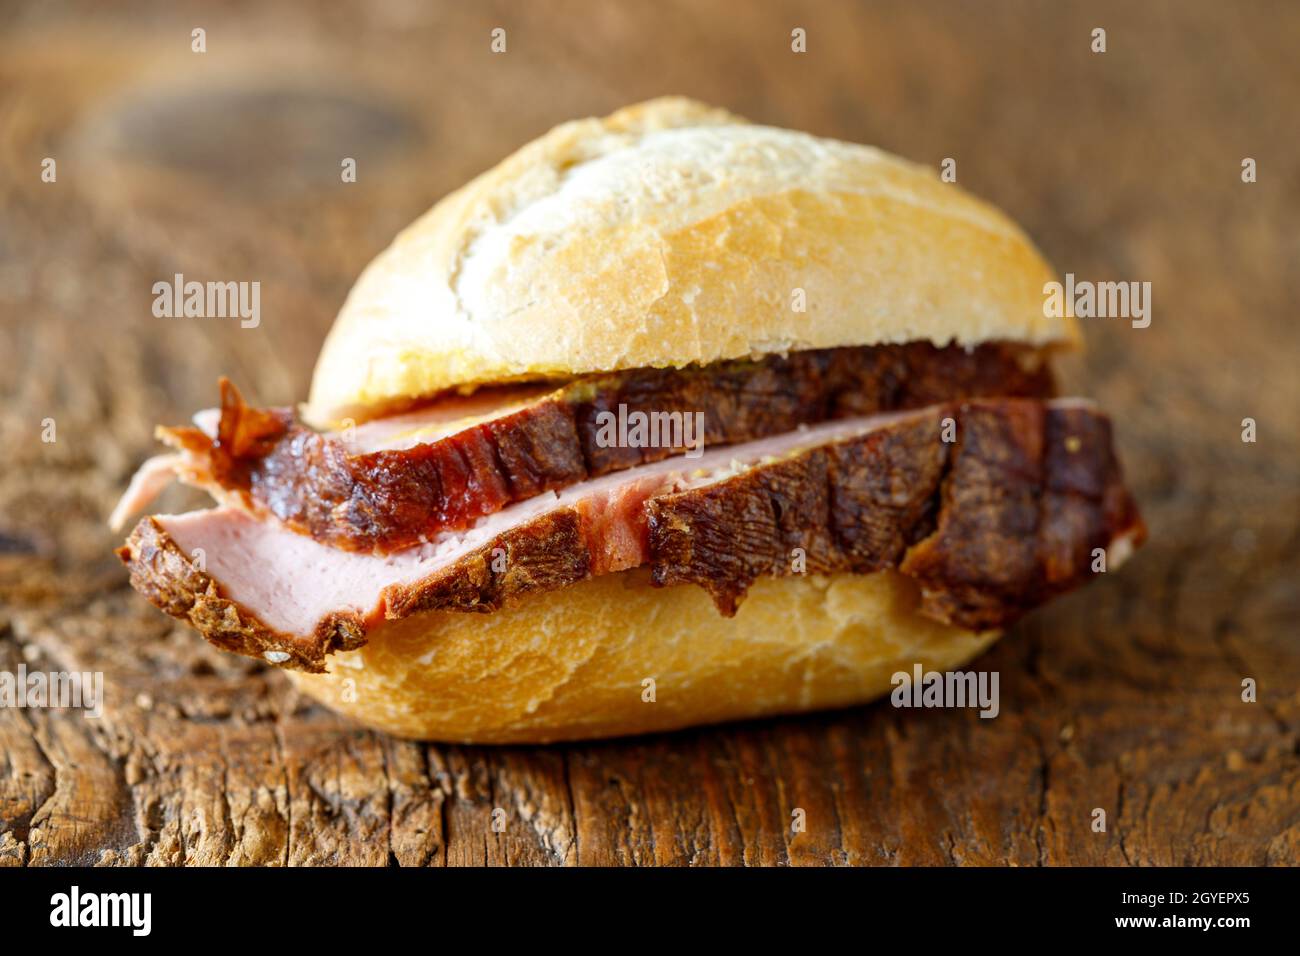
(1122, 165)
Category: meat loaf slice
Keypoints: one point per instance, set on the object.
(990, 524)
(391, 484)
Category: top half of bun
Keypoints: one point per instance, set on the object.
(672, 233)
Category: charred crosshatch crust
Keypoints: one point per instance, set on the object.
(389, 500)
(990, 526)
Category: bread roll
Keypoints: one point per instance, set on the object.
(671, 233)
(573, 663)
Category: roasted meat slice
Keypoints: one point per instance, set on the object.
(991, 523)
(392, 483)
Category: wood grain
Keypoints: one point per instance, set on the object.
(225, 165)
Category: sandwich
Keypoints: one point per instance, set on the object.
(667, 419)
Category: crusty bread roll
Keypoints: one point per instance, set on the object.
(572, 663)
(673, 233)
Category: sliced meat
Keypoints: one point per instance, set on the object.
(860, 495)
(146, 484)
(845, 506)
(991, 525)
(393, 483)
(282, 593)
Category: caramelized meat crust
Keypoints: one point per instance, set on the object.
(388, 500)
(998, 521)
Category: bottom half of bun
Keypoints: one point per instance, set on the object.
(614, 655)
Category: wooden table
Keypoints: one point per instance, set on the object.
(226, 165)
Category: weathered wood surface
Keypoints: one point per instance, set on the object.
(225, 165)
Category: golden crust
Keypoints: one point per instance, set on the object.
(672, 233)
(572, 664)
